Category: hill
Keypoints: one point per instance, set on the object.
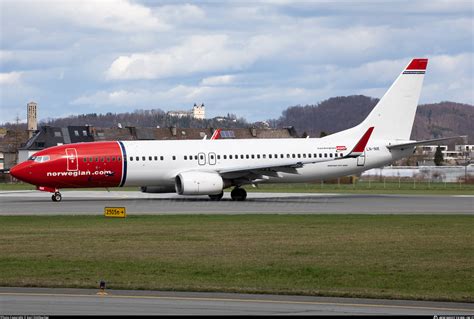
(336, 114)
(145, 118)
(332, 115)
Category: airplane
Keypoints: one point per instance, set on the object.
(207, 167)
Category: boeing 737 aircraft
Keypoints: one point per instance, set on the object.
(207, 167)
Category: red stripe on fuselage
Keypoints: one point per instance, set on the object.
(95, 164)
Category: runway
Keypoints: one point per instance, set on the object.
(45, 301)
(93, 203)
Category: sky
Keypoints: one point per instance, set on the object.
(249, 58)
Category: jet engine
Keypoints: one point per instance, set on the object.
(199, 183)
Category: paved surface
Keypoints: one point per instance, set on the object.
(93, 202)
(45, 301)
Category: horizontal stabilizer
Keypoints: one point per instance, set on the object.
(424, 142)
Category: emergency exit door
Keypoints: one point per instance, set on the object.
(72, 163)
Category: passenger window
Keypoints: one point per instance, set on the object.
(85, 159)
(185, 157)
(219, 157)
(325, 154)
(258, 156)
(304, 155)
(143, 158)
(330, 154)
(120, 158)
(253, 156)
(230, 156)
(293, 155)
(108, 159)
(195, 157)
(137, 158)
(299, 155)
(156, 158)
(96, 159)
(241, 156)
(150, 158)
(174, 158)
(281, 155)
(225, 156)
(269, 155)
(113, 158)
(309, 155)
(247, 156)
(162, 158)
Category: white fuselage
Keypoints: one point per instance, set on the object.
(158, 162)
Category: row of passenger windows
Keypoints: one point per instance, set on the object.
(102, 159)
(242, 156)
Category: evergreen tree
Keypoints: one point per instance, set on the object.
(438, 157)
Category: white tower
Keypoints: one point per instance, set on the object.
(199, 112)
(32, 119)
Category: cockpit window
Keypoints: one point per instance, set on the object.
(40, 159)
(32, 158)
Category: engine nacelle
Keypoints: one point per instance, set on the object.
(199, 183)
(157, 189)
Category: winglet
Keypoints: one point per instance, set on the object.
(360, 146)
(216, 135)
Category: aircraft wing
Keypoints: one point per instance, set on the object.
(424, 142)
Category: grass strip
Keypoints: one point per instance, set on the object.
(410, 257)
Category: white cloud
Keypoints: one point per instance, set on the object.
(218, 80)
(249, 58)
(180, 14)
(10, 78)
(206, 53)
(117, 15)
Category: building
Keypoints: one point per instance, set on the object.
(466, 148)
(10, 141)
(49, 136)
(198, 112)
(32, 118)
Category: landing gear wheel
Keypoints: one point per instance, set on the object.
(56, 197)
(238, 194)
(217, 196)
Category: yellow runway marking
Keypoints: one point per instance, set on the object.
(243, 300)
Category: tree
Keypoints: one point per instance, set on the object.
(438, 157)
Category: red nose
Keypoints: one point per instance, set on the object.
(21, 172)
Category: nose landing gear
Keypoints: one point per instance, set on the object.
(56, 197)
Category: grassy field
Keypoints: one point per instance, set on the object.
(410, 257)
(361, 187)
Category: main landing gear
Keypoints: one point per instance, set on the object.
(56, 197)
(238, 194)
(217, 196)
